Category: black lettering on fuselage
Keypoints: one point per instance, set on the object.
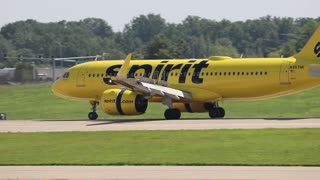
(156, 73)
(316, 49)
(146, 67)
(166, 67)
(111, 72)
(184, 71)
(197, 68)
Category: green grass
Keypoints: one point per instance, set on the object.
(38, 102)
(209, 147)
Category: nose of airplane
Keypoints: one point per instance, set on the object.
(57, 87)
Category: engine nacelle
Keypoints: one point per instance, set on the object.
(123, 102)
(190, 107)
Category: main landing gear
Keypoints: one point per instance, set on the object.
(93, 115)
(172, 113)
(215, 111)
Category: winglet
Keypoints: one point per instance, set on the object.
(125, 66)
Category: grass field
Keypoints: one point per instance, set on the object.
(210, 147)
(38, 102)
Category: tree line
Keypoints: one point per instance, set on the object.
(151, 37)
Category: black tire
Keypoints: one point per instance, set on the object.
(172, 114)
(214, 113)
(92, 115)
(221, 112)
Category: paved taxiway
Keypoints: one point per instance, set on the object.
(155, 172)
(119, 125)
(159, 172)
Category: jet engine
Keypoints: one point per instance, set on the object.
(190, 107)
(123, 102)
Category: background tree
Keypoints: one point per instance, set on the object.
(151, 37)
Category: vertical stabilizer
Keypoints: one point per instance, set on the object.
(311, 50)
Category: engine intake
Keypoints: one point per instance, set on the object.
(123, 102)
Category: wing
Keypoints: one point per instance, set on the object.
(147, 86)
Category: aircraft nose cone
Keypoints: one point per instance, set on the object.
(57, 88)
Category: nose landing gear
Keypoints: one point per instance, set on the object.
(93, 115)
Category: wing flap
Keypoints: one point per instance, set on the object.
(168, 91)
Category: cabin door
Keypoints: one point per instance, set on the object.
(81, 77)
(284, 73)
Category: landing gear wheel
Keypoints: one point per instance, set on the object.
(221, 112)
(92, 115)
(213, 113)
(217, 113)
(172, 114)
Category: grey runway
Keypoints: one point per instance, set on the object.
(120, 125)
(156, 172)
(159, 172)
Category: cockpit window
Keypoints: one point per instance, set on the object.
(66, 75)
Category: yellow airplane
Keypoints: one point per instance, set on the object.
(188, 85)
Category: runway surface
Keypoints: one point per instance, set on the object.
(119, 125)
(159, 172)
(156, 172)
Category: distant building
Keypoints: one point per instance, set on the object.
(7, 74)
(37, 74)
(44, 74)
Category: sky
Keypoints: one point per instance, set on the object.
(120, 12)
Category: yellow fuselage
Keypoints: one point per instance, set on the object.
(206, 80)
